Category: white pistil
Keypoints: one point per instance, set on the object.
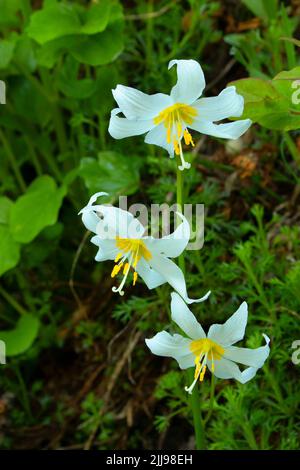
(199, 368)
(184, 165)
(126, 269)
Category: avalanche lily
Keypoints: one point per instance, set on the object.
(167, 118)
(120, 237)
(214, 350)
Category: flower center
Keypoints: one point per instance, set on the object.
(175, 119)
(204, 349)
(131, 251)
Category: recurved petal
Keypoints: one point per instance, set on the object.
(171, 245)
(225, 369)
(249, 357)
(164, 344)
(227, 104)
(190, 81)
(107, 249)
(158, 136)
(120, 127)
(151, 277)
(135, 104)
(232, 330)
(185, 319)
(230, 130)
(174, 276)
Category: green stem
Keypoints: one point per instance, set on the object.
(59, 129)
(21, 310)
(194, 397)
(292, 148)
(211, 399)
(13, 161)
(196, 410)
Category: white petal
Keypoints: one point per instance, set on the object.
(232, 330)
(185, 319)
(227, 104)
(174, 276)
(190, 81)
(249, 357)
(171, 245)
(158, 136)
(135, 104)
(107, 249)
(225, 369)
(185, 362)
(108, 221)
(164, 344)
(89, 218)
(122, 127)
(151, 277)
(230, 130)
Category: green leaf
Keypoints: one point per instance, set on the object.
(36, 209)
(22, 336)
(112, 173)
(29, 104)
(269, 102)
(9, 249)
(53, 22)
(70, 85)
(5, 206)
(6, 52)
(96, 18)
(100, 49)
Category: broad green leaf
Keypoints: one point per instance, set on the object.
(18, 340)
(27, 102)
(6, 52)
(53, 22)
(5, 206)
(269, 102)
(9, 250)
(96, 18)
(69, 83)
(36, 209)
(113, 173)
(100, 49)
(9, 9)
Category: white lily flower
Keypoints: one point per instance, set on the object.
(119, 236)
(214, 350)
(167, 118)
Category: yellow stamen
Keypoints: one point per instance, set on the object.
(174, 118)
(204, 349)
(202, 374)
(176, 147)
(132, 249)
(126, 268)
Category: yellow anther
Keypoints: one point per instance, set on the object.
(126, 268)
(118, 257)
(188, 138)
(176, 147)
(116, 269)
(202, 374)
(135, 276)
(174, 118)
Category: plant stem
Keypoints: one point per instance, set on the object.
(21, 310)
(292, 148)
(194, 397)
(13, 161)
